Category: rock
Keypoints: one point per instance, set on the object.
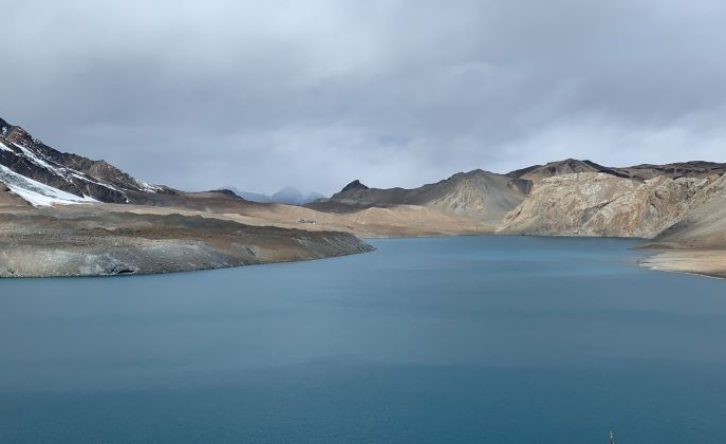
(600, 204)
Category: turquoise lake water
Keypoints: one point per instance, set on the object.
(444, 340)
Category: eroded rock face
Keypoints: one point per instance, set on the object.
(600, 204)
(704, 226)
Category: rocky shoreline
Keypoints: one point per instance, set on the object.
(97, 243)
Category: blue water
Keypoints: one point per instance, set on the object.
(450, 340)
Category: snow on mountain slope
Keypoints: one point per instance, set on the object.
(36, 193)
(42, 175)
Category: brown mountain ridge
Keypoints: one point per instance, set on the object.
(679, 206)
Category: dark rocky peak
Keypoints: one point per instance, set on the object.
(572, 166)
(4, 127)
(694, 168)
(353, 186)
(568, 166)
(27, 157)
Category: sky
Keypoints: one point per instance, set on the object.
(315, 93)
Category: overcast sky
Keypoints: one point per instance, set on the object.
(315, 93)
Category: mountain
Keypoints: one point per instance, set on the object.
(602, 204)
(65, 215)
(480, 195)
(41, 175)
(696, 168)
(643, 172)
(293, 196)
(696, 243)
(564, 198)
(130, 226)
(251, 197)
(287, 195)
(582, 198)
(537, 173)
(705, 224)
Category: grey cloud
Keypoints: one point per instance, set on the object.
(260, 95)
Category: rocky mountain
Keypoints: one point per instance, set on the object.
(679, 205)
(704, 226)
(480, 195)
(697, 242)
(698, 169)
(537, 173)
(41, 175)
(582, 198)
(565, 198)
(602, 204)
(46, 231)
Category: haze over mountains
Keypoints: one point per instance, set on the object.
(678, 205)
(288, 195)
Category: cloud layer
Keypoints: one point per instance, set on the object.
(263, 94)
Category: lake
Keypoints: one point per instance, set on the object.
(443, 340)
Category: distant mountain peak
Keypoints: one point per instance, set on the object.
(355, 185)
(288, 195)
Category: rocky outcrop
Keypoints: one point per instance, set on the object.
(697, 242)
(600, 204)
(704, 226)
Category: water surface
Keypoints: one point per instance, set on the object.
(448, 340)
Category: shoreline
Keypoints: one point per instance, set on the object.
(214, 245)
(192, 270)
(710, 263)
(68, 244)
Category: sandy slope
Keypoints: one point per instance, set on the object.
(705, 262)
(366, 222)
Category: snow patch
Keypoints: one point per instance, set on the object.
(150, 188)
(39, 194)
(40, 162)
